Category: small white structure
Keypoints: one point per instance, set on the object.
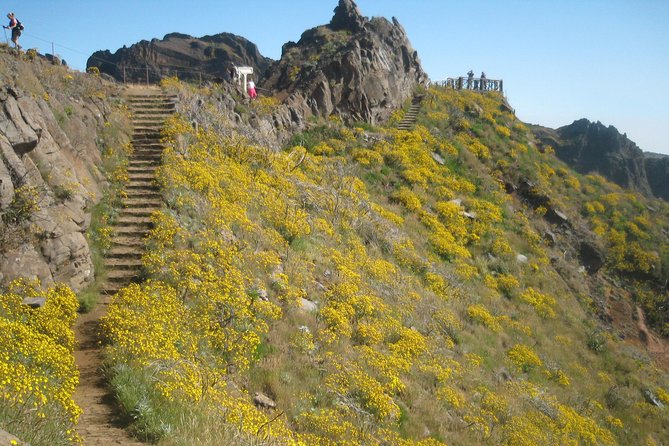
(242, 73)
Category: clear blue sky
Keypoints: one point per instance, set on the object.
(561, 60)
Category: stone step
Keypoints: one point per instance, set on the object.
(153, 104)
(128, 242)
(153, 113)
(146, 140)
(122, 276)
(137, 220)
(130, 231)
(142, 176)
(153, 157)
(136, 212)
(152, 100)
(146, 196)
(144, 165)
(141, 188)
(147, 150)
(141, 203)
(125, 252)
(142, 130)
(149, 169)
(152, 129)
(123, 264)
(141, 163)
(142, 140)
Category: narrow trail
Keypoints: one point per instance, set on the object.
(409, 119)
(99, 424)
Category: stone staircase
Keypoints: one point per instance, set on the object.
(99, 424)
(150, 108)
(409, 119)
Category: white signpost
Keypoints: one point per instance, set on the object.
(242, 73)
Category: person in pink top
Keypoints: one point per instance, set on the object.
(251, 88)
(16, 28)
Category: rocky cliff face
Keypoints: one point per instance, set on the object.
(592, 147)
(657, 170)
(49, 175)
(357, 68)
(190, 58)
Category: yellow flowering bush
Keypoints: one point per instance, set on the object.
(38, 375)
(542, 303)
(523, 357)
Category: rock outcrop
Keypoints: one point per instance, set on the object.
(49, 180)
(189, 58)
(591, 147)
(360, 69)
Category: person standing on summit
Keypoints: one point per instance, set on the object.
(16, 28)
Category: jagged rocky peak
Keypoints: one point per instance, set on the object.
(358, 68)
(347, 16)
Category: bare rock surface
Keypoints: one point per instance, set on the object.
(58, 163)
(358, 68)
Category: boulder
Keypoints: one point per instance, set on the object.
(438, 158)
(550, 238)
(557, 217)
(263, 401)
(651, 398)
(34, 302)
(591, 256)
(308, 306)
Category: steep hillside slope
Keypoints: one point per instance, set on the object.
(357, 68)
(203, 58)
(454, 284)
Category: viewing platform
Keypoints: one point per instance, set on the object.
(472, 83)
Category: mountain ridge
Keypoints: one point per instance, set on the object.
(593, 147)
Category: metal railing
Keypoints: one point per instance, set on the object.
(472, 83)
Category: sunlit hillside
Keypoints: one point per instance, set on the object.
(390, 287)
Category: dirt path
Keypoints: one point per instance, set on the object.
(99, 424)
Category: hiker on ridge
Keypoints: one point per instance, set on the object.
(484, 81)
(470, 79)
(16, 28)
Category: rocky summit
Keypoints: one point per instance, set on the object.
(181, 55)
(361, 69)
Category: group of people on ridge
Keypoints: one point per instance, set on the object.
(16, 27)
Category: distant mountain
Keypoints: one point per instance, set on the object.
(358, 68)
(592, 147)
(191, 58)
